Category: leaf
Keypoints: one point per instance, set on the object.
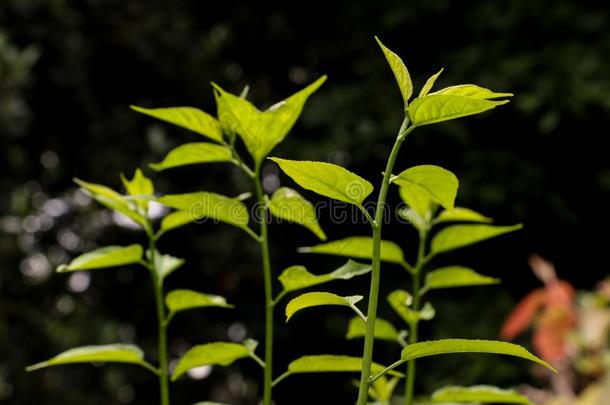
(181, 300)
(457, 236)
(422, 185)
(400, 72)
(384, 330)
(315, 299)
(140, 187)
(175, 220)
(435, 108)
(114, 353)
(429, 83)
(210, 354)
(288, 204)
(460, 214)
(401, 301)
(456, 276)
(359, 247)
(205, 205)
(261, 131)
(479, 394)
(328, 363)
(194, 153)
(327, 179)
(113, 200)
(186, 117)
(297, 277)
(166, 264)
(109, 256)
(471, 91)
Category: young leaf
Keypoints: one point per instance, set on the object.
(382, 390)
(115, 353)
(217, 353)
(314, 299)
(460, 214)
(400, 72)
(456, 276)
(175, 220)
(297, 277)
(109, 256)
(457, 236)
(471, 91)
(479, 394)
(207, 205)
(113, 200)
(384, 330)
(328, 363)
(421, 185)
(261, 131)
(289, 205)
(166, 264)
(429, 83)
(435, 108)
(181, 300)
(140, 187)
(327, 179)
(194, 153)
(359, 247)
(400, 301)
(187, 117)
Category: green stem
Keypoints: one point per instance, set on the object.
(371, 317)
(413, 335)
(161, 321)
(264, 244)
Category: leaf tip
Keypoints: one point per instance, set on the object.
(156, 166)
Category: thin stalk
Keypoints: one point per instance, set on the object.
(161, 321)
(264, 245)
(371, 317)
(413, 335)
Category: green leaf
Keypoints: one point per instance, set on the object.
(194, 153)
(401, 301)
(479, 394)
(261, 131)
(457, 236)
(328, 363)
(113, 200)
(327, 179)
(115, 353)
(297, 277)
(314, 299)
(384, 330)
(471, 91)
(175, 220)
(141, 188)
(382, 390)
(429, 83)
(460, 214)
(359, 247)
(166, 264)
(205, 205)
(422, 185)
(400, 72)
(187, 117)
(109, 256)
(181, 300)
(289, 205)
(435, 108)
(210, 354)
(456, 276)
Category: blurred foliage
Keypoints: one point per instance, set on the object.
(68, 71)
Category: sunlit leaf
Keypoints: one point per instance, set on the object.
(471, 91)
(210, 354)
(187, 117)
(435, 108)
(181, 300)
(115, 353)
(422, 185)
(359, 247)
(194, 153)
(400, 72)
(297, 277)
(327, 179)
(140, 187)
(166, 264)
(460, 214)
(384, 330)
(261, 131)
(109, 256)
(457, 236)
(289, 205)
(175, 220)
(429, 83)
(456, 276)
(479, 394)
(315, 299)
(328, 363)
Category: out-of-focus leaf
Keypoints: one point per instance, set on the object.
(328, 363)
(166, 264)
(359, 247)
(456, 276)
(194, 153)
(140, 187)
(460, 214)
(297, 277)
(109, 256)
(457, 236)
(400, 301)
(479, 394)
(289, 205)
(384, 330)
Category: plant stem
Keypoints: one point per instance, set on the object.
(367, 358)
(162, 325)
(416, 286)
(264, 245)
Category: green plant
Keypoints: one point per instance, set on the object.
(424, 189)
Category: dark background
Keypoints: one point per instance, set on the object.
(69, 70)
